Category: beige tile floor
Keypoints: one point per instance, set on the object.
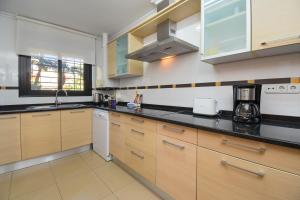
(84, 176)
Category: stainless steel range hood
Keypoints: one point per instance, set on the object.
(167, 45)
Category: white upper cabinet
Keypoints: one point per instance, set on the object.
(226, 29)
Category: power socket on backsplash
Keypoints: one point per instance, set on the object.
(283, 89)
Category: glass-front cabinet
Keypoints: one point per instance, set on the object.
(226, 28)
(118, 65)
(122, 51)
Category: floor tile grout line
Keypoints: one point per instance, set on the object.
(56, 182)
(10, 185)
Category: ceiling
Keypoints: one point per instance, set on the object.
(90, 16)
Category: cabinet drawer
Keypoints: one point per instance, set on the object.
(141, 122)
(40, 134)
(141, 162)
(114, 116)
(117, 139)
(179, 132)
(10, 147)
(140, 138)
(176, 168)
(225, 177)
(283, 158)
(76, 128)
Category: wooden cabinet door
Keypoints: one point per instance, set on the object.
(40, 134)
(275, 23)
(223, 177)
(76, 128)
(176, 168)
(112, 59)
(10, 147)
(117, 140)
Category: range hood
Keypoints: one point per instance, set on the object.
(167, 45)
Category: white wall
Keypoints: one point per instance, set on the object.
(189, 69)
(9, 67)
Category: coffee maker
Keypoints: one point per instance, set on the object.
(246, 103)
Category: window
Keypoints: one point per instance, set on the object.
(42, 76)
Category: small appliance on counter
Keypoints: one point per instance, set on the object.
(246, 103)
(106, 100)
(98, 99)
(205, 106)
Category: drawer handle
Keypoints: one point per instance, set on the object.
(139, 132)
(137, 155)
(280, 40)
(74, 112)
(173, 129)
(114, 114)
(41, 115)
(172, 144)
(259, 174)
(116, 124)
(2, 118)
(259, 150)
(137, 120)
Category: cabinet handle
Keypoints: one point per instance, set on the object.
(74, 112)
(137, 155)
(280, 40)
(173, 129)
(2, 118)
(172, 144)
(117, 115)
(137, 120)
(116, 124)
(139, 132)
(260, 174)
(41, 115)
(259, 150)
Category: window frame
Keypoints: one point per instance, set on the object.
(25, 80)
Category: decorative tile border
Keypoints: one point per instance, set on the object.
(8, 87)
(294, 80)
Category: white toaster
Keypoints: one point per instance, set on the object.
(205, 106)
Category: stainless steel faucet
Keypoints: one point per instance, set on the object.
(56, 96)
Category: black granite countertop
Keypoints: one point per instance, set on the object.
(284, 133)
(277, 132)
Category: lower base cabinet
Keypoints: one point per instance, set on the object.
(176, 168)
(40, 134)
(223, 177)
(117, 140)
(76, 128)
(10, 138)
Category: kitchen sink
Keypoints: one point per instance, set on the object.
(54, 106)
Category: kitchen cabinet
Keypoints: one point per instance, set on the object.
(176, 168)
(140, 148)
(76, 128)
(226, 29)
(275, 23)
(40, 134)
(221, 176)
(282, 158)
(119, 66)
(112, 59)
(117, 139)
(10, 138)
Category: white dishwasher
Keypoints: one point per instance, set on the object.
(101, 134)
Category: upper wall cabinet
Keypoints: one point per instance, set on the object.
(118, 65)
(276, 24)
(226, 29)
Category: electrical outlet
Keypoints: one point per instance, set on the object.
(282, 89)
(271, 89)
(293, 89)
